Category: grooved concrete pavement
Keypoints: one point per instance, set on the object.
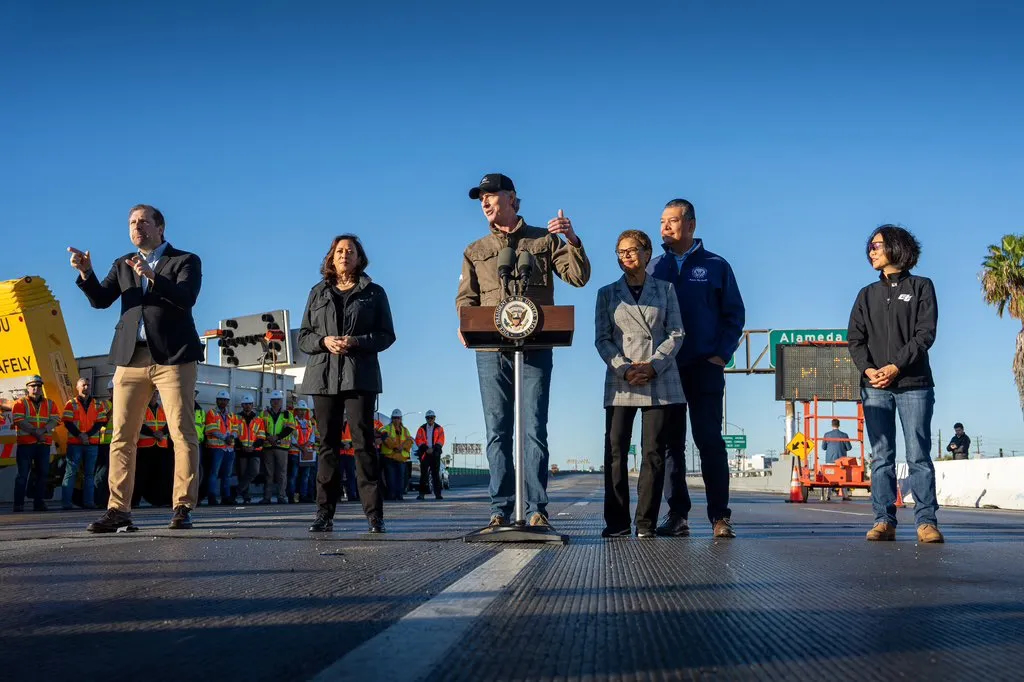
(249, 594)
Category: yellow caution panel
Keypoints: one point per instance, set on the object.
(800, 446)
(33, 340)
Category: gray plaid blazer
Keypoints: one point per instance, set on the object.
(648, 330)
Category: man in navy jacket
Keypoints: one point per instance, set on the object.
(713, 317)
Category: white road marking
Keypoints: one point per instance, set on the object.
(836, 511)
(582, 503)
(414, 646)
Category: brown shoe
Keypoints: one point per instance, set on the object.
(497, 520)
(538, 519)
(926, 532)
(882, 532)
(723, 529)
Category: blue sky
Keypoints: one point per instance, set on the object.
(795, 128)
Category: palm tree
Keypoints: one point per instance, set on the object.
(1002, 281)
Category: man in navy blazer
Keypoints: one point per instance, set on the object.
(155, 347)
(713, 317)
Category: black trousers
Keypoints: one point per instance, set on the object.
(330, 413)
(704, 388)
(659, 429)
(430, 462)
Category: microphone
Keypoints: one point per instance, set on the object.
(525, 266)
(506, 263)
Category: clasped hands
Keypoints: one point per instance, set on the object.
(339, 345)
(882, 378)
(639, 373)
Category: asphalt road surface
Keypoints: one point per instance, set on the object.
(250, 595)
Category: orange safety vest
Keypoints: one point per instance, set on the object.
(25, 410)
(220, 423)
(157, 422)
(250, 431)
(421, 435)
(302, 436)
(85, 419)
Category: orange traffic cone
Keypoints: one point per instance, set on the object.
(796, 493)
(899, 496)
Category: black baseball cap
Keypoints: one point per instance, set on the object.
(492, 182)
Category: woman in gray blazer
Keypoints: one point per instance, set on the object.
(639, 330)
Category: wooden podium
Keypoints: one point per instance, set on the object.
(552, 327)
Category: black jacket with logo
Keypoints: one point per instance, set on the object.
(893, 321)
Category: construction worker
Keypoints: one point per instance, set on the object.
(303, 431)
(429, 441)
(347, 461)
(397, 448)
(83, 417)
(102, 494)
(35, 418)
(280, 424)
(200, 419)
(305, 442)
(221, 431)
(252, 432)
(152, 449)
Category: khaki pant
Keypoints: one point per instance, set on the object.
(133, 386)
(275, 461)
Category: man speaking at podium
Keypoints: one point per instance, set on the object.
(479, 284)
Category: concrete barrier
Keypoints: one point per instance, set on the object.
(996, 482)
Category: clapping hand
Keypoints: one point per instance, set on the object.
(140, 266)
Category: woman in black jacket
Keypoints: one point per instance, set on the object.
(346, 323)
(892, 326)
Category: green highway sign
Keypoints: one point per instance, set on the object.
(790, 337)
(734, 442)
(632, 449)
(732, 363)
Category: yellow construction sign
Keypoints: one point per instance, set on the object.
(800, 446)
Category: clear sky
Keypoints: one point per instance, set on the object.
(795, 128)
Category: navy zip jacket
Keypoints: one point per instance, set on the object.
(709, 300)
(893, 321)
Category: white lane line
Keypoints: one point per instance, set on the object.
(582, 503)
(836, 511)
(412, 648)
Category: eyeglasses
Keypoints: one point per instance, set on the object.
(626, 253)
(875, 246)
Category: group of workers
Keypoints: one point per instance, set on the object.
(281, 443)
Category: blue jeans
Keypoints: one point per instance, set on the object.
(497, 394)
(85, 456)
(307, 477)
(293, 475)
(27, 456)
(348, 472)
(222, 463)
(394, 475)
(915, 407)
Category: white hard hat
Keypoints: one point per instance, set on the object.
(110, 385)
(396, 413)
(302, 405)
(223, 394)
(34, 379)
(430, 413)
(277, 395)
(247, 399)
